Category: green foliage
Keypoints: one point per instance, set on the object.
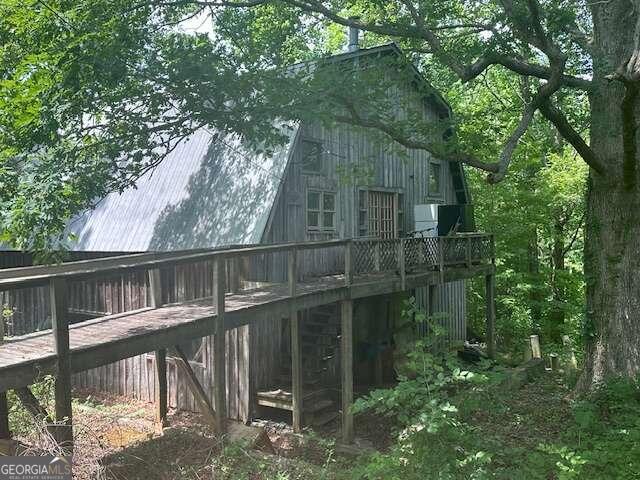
(21, 422)
(427, 420)
(537, 213)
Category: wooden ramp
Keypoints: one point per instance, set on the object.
(370, 267)
(108, 339)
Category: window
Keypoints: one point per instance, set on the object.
(321, 210)
(435, 179)
(311, 153)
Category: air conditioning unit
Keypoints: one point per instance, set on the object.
(455, 218)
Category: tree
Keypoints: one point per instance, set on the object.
(122, 69)
(591, 47)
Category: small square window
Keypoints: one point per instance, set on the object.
(329, 201)
(327, 220)
(311, 153)
(313, 219)
(435, 179)
(313, 201)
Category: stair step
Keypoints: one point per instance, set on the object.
(323, 418)
(321, 329)
(314, 407)
(312, 340)
(308, 382)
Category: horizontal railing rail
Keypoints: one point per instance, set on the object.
(366, 255)
(26, 276)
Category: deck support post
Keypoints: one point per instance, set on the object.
(199, 394)
(441, 258)
(5, 433)
(219, 360)
(490, 290)
(60, 327)
(160, 398)
(296, 371)
(348, 263)
(346, 355)
(292, 270)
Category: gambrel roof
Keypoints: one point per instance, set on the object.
(209, 191)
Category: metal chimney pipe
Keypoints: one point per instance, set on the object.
(354, 37)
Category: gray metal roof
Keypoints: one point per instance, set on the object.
(209, 191)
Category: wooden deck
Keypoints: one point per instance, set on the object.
(370, 268)
(108, 339)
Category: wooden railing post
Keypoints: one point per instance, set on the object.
(234, 274)
(292, 271)
(348, 263)
(376, 256)
(402, 268)
(219, 359)
(60, 328)
(468, 251)
(160, 395)
(155, 288)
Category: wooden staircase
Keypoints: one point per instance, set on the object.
(320, 340)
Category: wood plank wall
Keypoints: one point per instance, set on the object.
(351, 149)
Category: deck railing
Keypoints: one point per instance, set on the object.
(228, 272)
(348, 257)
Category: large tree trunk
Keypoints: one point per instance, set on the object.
(612, 246)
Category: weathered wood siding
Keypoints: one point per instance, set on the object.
(393, 169)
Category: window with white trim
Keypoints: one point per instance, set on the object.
(321, 210)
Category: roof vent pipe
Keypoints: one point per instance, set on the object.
(354, 36)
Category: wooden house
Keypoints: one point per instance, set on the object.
(214, 192)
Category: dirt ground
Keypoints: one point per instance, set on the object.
(115, 438)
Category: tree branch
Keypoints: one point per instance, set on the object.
(557, 118)
(355, 118)
(421, 31)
